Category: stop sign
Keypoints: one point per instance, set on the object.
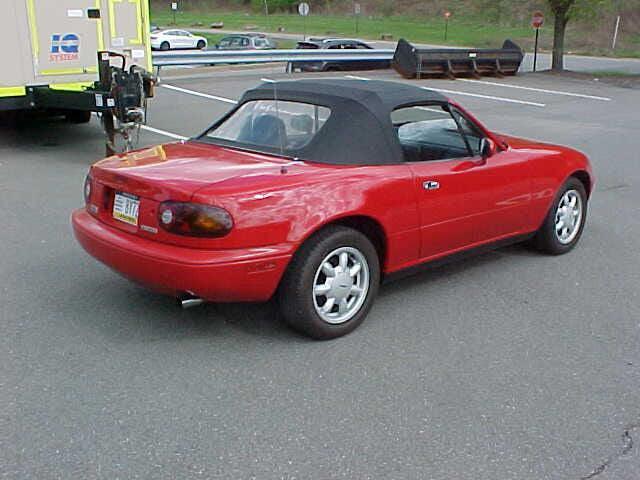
(537, 20)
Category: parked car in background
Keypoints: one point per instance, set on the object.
(176, 39)
(247, 41)
(333, 66)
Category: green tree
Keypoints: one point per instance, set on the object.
(561, 12)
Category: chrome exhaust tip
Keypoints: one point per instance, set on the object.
(189, 301)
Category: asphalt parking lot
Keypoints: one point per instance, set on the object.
(510, 365)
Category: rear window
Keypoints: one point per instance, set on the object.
(272, 125)
(307, 45)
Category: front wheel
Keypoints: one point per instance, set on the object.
(201, 45)
(330, 284)
(565, 221)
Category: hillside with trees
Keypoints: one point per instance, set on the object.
(589, 24)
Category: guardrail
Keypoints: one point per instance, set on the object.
(409, 61)
(216, 57)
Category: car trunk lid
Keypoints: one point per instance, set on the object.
(166, 172)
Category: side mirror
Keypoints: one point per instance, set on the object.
(487, 147)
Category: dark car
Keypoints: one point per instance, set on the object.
(336, 66)
(247, 41)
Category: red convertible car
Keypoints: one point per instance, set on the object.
(316, 190)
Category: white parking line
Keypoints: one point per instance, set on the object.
(533, 89)
(488, 97)
(154, 130)
(163, 132)
(355, 77)
(442, 90)
(199, 94)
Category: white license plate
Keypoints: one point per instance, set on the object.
(125, 208)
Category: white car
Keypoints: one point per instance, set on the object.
(176, 39)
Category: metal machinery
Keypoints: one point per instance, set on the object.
(412, 62)
(60, 56)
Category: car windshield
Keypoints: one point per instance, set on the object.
(271, 125)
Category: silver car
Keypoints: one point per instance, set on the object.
(248, 41)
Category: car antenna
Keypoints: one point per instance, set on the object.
(275, 98)
(275, 88)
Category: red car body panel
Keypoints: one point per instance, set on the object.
(216, 275)
(277, 203)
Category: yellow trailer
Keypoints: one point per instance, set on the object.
(51, 51)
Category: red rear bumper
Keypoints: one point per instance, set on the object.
(250, 275)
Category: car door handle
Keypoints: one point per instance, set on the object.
(469, 164)
(431, 185)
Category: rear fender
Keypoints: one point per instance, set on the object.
(308, 198)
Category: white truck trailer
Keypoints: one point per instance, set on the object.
(60, 56)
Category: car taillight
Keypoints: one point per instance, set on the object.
(194, 220)
(87, 189)
(153, 37)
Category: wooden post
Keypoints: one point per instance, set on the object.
(615, 33)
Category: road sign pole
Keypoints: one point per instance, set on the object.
(447, 14)
(537, 20)
(303, 10)
(535, 50)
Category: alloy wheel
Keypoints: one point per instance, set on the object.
(340, 285)
(568, 217)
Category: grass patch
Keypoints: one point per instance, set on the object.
(214, 38)
(461, 31)
(619, 52)
(612, 74)
(472, 31)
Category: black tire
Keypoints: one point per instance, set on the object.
(295, 295)
(546, 240)
(164, 46)
(332, 68)
(201, 44)
(78, 116)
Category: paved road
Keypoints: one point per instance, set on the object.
(577, 63)
(511, 365)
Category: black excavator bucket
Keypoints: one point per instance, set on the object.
(412, 62)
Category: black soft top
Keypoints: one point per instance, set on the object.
(359, 130)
